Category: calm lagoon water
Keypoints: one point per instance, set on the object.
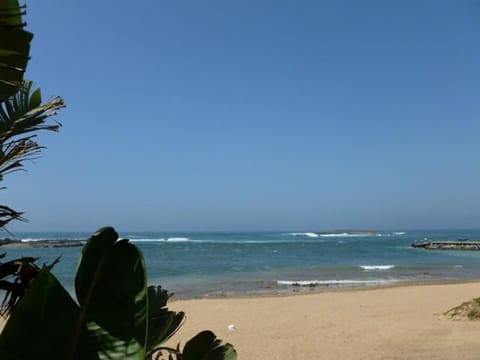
(202, 264)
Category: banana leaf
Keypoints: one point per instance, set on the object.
(111, 289)
(116, 317)
(109, 322)
(162, 323)
(206, 346)
(42, 323)
(14, 47)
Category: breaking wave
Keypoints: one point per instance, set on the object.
(30, 240)
(335, 282)
(376, 267)
(307, 234)
(178, 239)
(362, 234)
(172, 239)
(346, 234)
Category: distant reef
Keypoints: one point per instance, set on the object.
(6, 243)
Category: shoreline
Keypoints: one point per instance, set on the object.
(297, 290)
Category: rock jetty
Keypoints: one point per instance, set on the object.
(40, 243)
(448, 245)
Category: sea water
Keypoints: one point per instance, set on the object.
(199, 264)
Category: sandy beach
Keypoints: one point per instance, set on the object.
(403, 322)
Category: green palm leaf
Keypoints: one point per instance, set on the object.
(21, 115)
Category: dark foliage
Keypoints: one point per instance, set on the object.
(15, 279)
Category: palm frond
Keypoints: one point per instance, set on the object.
(24, 113)
(21, 117)
(7, 214)
(15, 278)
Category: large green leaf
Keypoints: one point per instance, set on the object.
(206, 346)
(14, 47)
(115, 319)
(42, 323)
(112, 293)
(108, 323)
(162, 323)
(11, 12)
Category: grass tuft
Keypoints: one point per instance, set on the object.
(468, 310)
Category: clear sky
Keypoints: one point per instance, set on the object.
(249, 115)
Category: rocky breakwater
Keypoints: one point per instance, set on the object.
(448, 245)
(6, 243)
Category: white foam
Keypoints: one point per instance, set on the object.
(349, 235)
(178, 239)
(172, 239)
(147, 240)
(399, 233)
(376, 267)
(29, 240)
(307, 234)
(334, 282)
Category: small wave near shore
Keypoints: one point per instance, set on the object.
(346, 234)
(172, 239)
(376, 267)
(336, 282)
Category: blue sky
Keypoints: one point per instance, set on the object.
(249, 115)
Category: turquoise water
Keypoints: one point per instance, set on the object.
(213, 264)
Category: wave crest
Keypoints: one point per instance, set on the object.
(376, 267)
(307, 234)
(178, 239)
(334, 282)
(346, 234)
(172, 239)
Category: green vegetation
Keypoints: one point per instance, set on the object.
(22, 113)
(15, 278)
(117, 315)
(14, 48)
(468, 310)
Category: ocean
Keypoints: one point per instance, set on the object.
(212, 264)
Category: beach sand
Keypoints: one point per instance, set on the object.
(404, 322)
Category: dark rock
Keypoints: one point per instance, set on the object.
(448, 245)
